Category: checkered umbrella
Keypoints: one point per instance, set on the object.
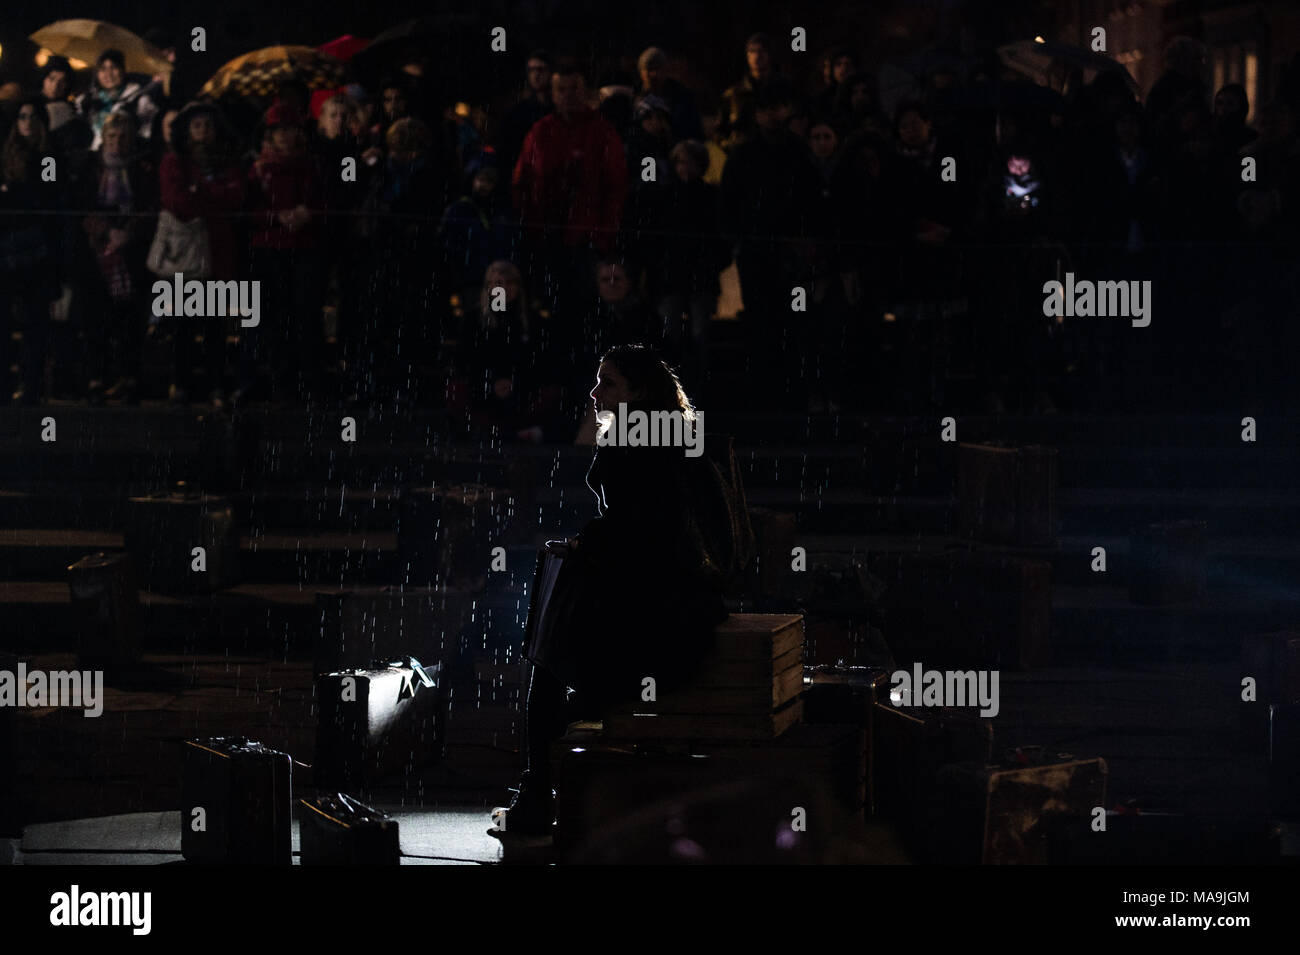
(255, 75)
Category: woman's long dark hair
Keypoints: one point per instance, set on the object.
(646, 372)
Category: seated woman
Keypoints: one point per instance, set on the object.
(639, 592)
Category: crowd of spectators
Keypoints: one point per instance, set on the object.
(424, 253)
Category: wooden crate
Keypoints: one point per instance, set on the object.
(1007, 495)
(643, 725)
(746, 688)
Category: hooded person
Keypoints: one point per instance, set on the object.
(476, 230)
(683, 116)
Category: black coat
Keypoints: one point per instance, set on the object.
(643, 590)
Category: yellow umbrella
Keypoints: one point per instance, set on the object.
(86, 39)
(255, 75)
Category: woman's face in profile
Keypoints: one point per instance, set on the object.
(611, 388)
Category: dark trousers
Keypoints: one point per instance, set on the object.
(546, 716)
(28, 307)
(114, 336)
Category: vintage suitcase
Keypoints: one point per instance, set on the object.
(243, 791)
(747, 687)
(847, 696)
(339, 830)
(162, 532)
(909, 745)
(363, 624)
(8, 754)
(105, 605)
(1167, 563)
(834, 694)
(959, 609)
(376, 722)
(446, 533)
(1020, 811)
(1007, 495)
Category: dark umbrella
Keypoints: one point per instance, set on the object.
(1036, 59)
(905, 78)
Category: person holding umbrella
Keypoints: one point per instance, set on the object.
(111, 92)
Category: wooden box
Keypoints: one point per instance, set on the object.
(1007, 495)
(748, 687)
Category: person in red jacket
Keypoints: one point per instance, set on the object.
(202, 179)
(569, 185)
(286, 197)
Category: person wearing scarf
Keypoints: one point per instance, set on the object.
(120, 185)
(110, 92)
